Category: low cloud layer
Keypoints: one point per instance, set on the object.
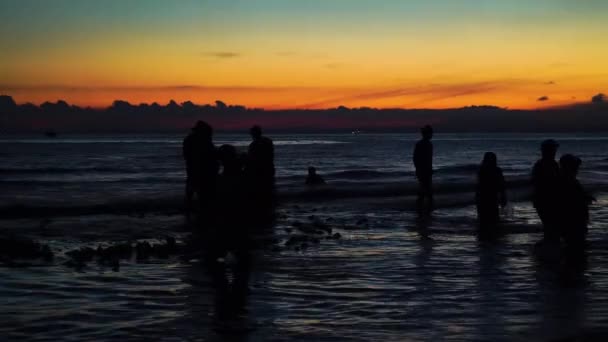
(123, 116)
(599, 98)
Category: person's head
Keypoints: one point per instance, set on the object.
(427, 132)
(569, 164)
(548, 148)
(256, 132)
(227, 153)
(203, 129)
(312, 170)
(489, 160)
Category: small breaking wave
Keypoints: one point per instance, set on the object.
(286, 194)
(75, 170)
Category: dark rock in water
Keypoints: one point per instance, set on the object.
(46, 253)
(115, 252)
(78, 265)
(336, 236)
(171, 244)
(361, 221)
(322, 226)
(160, 251)
(84, 254)
(15, 247)
(143, 250)
(304, 245)
(297, 224)
(296, 239)
(308, 229)
(115, 266)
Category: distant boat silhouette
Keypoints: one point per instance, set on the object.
(50, 134)
(356, 132)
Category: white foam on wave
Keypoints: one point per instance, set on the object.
(242, 143)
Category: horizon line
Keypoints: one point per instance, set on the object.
(297, 108)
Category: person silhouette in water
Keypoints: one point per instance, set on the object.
(490, 193)
(573, 205)
(201, 168)
(230, 234)
(423, 162)
(545, 175)
(260, 166)
(313, 177)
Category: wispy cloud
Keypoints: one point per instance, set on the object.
(543, 98)
(285, 53)
(424, 94)
(139, 88)
(333, 65)
(222, 54)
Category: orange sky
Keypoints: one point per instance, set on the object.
(273, 54)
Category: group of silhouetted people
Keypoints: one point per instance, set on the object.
(245, 186)
(229, 186)
(560, 201)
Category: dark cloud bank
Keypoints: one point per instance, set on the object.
(125, 117)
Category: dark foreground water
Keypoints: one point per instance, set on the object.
(391, 276)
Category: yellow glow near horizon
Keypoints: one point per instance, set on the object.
(478, 56)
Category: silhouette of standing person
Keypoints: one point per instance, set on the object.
(573, 205)
(423, 162)
(260, 167)
(545, 175)
(490, 193)
(230, 234)
(201, 168)
(192, 160)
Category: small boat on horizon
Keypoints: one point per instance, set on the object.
(50, 134)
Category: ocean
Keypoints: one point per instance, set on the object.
(391, 275)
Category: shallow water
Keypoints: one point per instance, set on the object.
(394, 277)
(391, 276)
(76, 170)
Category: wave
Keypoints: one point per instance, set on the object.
(54, 182)
(459, 192)
(243, 143)
(90, 141)
(366, 174)
(169, 142)
(61, 170)
(459, 169)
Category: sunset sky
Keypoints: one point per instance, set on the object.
(307, 53)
